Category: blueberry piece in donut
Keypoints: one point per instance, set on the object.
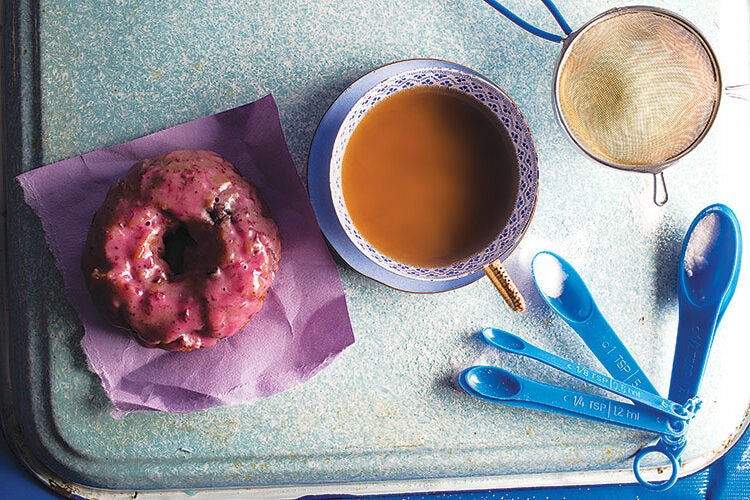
(182, 253)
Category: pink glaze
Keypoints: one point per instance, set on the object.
(228, 263)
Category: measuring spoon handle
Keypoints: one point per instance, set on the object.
(695, 334)
(600, 409)
(514, 344)
(602, 340)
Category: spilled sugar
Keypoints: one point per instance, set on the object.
(549, 275)
(701, 243)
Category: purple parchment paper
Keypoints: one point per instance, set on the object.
(304, 323)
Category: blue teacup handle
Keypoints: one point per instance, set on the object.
(546, 35)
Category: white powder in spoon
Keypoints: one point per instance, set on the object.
(701, 243)
(549, 275)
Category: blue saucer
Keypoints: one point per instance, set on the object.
(319, 186)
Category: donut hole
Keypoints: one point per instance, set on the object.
(177, 243)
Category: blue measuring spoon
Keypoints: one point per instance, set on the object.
(496, 385)
(710, 259)
(565, 292)
(512, 343)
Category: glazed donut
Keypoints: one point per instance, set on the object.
(182, 252)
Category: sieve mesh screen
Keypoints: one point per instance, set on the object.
(637, 89)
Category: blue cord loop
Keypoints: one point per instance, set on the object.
(558, 17)
(546, 35)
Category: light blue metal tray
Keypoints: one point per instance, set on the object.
(386, 415)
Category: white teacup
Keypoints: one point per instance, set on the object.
(485, 95)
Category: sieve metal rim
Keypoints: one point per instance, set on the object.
(568, 44)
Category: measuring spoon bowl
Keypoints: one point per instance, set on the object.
(501, 386)
(563, 289)
(490, 383)
(509, 342)
(710, 258)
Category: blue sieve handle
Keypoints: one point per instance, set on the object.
(531, 28)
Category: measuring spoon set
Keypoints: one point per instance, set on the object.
(710, 263)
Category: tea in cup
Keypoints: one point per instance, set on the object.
(434, 176)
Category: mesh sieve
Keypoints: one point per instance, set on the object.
(637, 88)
